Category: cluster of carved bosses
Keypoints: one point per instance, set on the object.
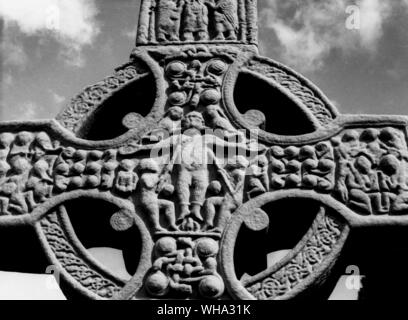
(183, 266)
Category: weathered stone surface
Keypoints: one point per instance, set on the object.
(202, 164)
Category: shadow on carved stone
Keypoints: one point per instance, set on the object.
(90, 220)
(252, 93)
(256, 251)
(25, 254)
(121, 112)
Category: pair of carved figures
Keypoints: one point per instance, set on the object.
(191, 19)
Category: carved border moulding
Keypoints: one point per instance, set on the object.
(171, 174)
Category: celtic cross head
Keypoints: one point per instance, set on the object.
(195, 151)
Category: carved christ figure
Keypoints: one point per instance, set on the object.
(191, 160)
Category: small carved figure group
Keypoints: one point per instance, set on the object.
(26, 162)
(372, 171)
(193, 20)
(193, 164)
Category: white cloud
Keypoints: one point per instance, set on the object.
(13, 54)
(308, 31)
(131, 33)
(71, 22)
(57, 98)
(374, 14)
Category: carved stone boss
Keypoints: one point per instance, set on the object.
(167, 177)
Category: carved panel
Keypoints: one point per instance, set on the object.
(187, 21)
(185, 267)
(372, 170)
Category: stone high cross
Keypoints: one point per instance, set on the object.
(196, 144)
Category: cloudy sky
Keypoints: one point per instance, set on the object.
(51, 49)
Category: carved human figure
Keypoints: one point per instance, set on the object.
(77, 169)
(108, 169)
(149, 173)
(225, 19)
(195, 20)
(348, 147)
(218, 208)
(4, 194)
(192, 165)
(16, 184)
(127, 179)
(389, 173)
(192, 161)
(42, 149)
(363, 186)
(20, 168)
(21, 144)
(172, 119)
(93, 169)
(6, 140)
(292, 167)
(390, 180)
(62, 169)
(393, 141)
(40, 182)
(61, 177)
(277, 167)
(168, 19)
(212, 204)
(370, 137)
(308, 157)
(325, 167)
(170, 123)
(258, 180)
